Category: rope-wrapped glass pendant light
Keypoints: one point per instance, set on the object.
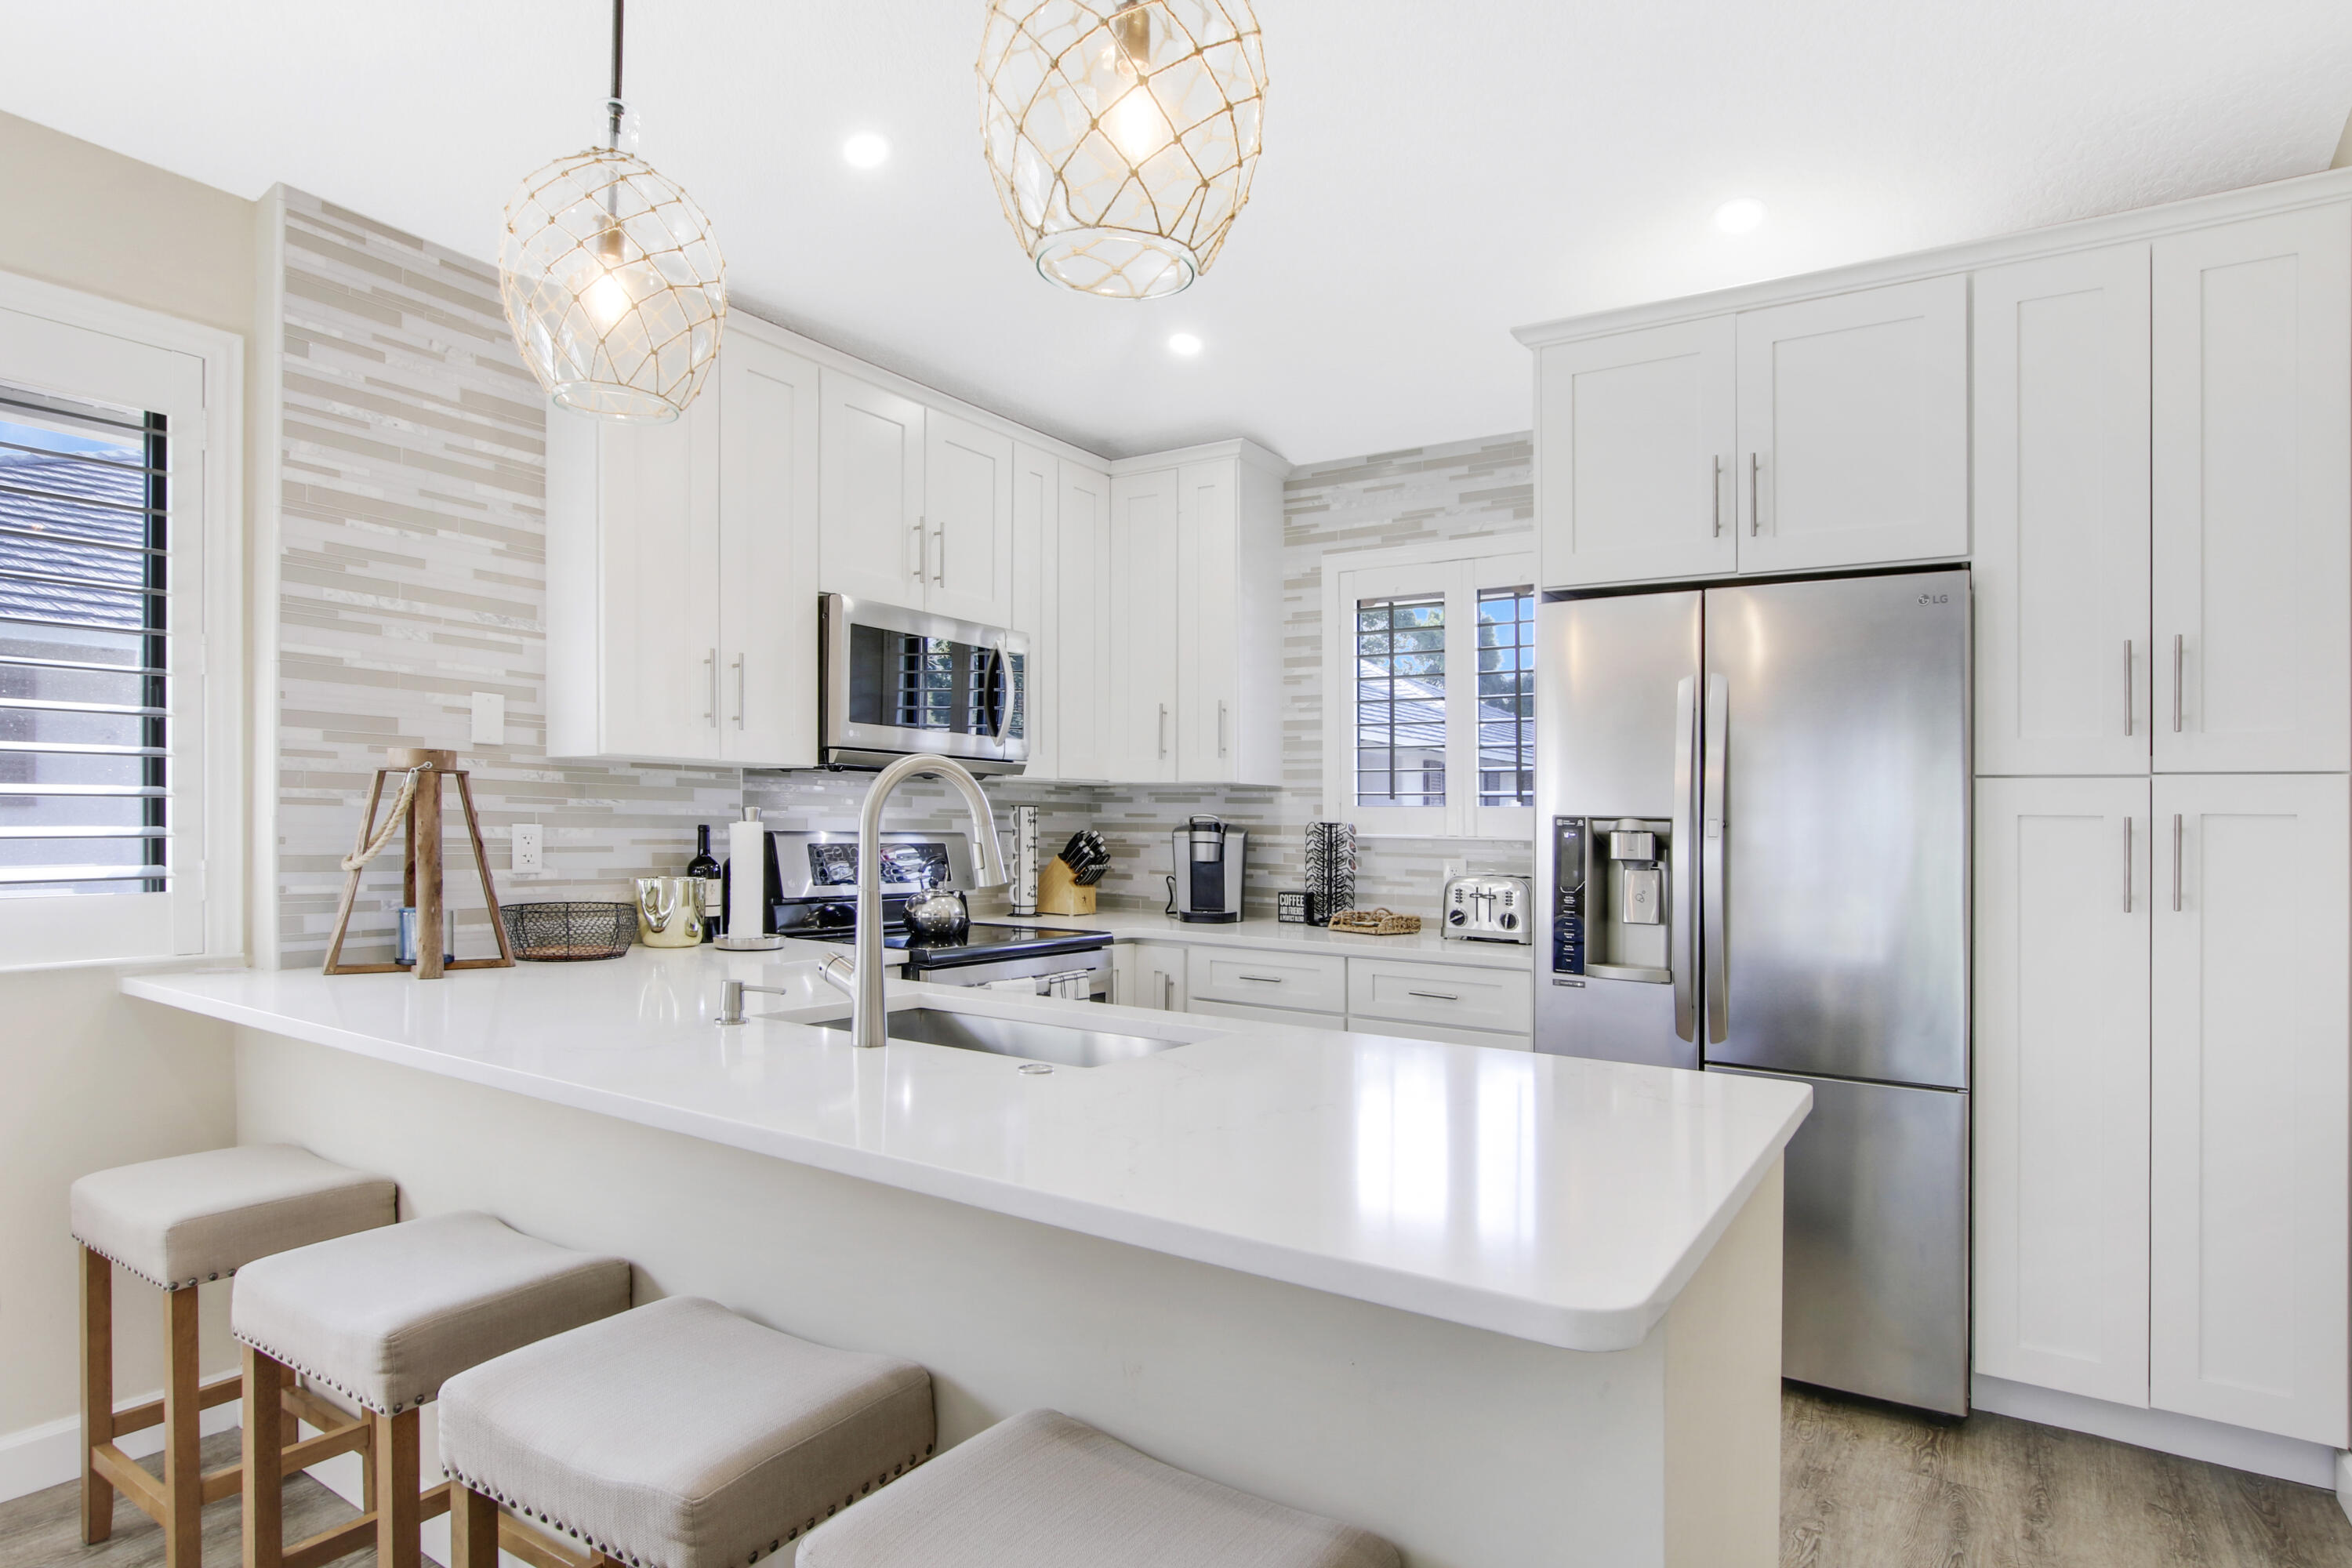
(1122, 134)
(612, 280)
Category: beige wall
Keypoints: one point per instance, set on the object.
(89, 1080)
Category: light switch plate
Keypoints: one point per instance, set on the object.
(489, 719)
(529, 857)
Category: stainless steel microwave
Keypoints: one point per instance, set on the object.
(895, 681)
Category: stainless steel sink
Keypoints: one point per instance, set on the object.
(1056, 1043)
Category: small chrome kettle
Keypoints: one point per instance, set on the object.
(937, 915)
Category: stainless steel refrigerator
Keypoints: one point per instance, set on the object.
(1753, 799)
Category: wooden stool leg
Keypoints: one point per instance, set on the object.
(184, 1466)
(398, 1509)
(473, 1529)
(263, 1483)
(97, 1394)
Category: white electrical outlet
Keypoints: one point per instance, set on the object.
(489, 719)
(529, 859)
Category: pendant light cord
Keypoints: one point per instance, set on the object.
(614, 108)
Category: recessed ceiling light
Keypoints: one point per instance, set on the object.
(1741, 215)
(1183, 344)
(866, 150)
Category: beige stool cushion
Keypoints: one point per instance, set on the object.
(386, 1316)
(203, 1217)
(680, 1435)
(1041, 1490)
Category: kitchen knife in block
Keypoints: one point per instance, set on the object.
(1058, 892)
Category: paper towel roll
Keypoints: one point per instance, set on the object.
(747, 879)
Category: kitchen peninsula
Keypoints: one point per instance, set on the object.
(1504, 1308)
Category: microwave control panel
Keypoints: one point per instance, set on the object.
(1570, 835)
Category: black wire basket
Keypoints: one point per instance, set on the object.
(569, 932)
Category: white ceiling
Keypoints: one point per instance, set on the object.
(1434, 175)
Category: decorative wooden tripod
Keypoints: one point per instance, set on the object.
(418, 807)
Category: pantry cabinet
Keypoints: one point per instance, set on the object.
(2248, 1093)
(2061, 514)
(2062, 911)
(2252, 493)
(668, 637)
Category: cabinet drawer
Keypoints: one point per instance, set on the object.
(1292, 1016)
(1306, 980)
(1385, 989)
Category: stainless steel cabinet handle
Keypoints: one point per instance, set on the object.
(922, 552)
(1221, 729)
(1683, 918)
(1435, 995)
(939, 555)
(710, 666)
(2129, 715)
(1714, 851)
(1261, 979)
(1755, 517)
(2176, 684)
(739, 690)
(2176, 862)
(1715, 492)
(2127, 864)
(1166, 993)
(1163, 730)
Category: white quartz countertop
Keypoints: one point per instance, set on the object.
(1551, 1198)
(1261, 935)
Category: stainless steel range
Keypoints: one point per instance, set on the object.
(819, 901)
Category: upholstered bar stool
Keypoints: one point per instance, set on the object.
(176, 1223)
(676, 1436)
(1041, 1490)
(384, 1318)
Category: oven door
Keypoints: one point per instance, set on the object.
(895, 680)
(1079, 976)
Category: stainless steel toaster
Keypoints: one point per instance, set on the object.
(1483, 908)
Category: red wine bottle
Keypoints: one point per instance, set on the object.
(707, 881)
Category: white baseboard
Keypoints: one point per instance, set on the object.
(2189, 1437)
(39, 1458)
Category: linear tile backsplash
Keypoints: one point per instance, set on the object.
(413, 574)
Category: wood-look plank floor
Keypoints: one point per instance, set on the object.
(1863, 1486)
(43, 1529)
(1867, 1486)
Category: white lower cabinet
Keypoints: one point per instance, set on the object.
(2163, 1102)
(1148, 974)
(1392, 991)
(1270, 978)
(2249, 1089)
(2062, 906)
(1460, 1004)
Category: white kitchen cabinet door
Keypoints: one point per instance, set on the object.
(1208, 620)
(2060, 1168)
(1080, 708)
(1149, 974)
(767, 540)
(968, 506)
(2062, 515)
(2248, 1126)
(2253, 420)
(1635, 437)
(1854, 428)
(1037, 600)
(634, 617)
(876, 546)
(1144, 595)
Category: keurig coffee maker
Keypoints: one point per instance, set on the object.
(1207, 885)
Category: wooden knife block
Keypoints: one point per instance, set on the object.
(1058, 894)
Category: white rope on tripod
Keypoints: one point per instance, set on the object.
(399, 803)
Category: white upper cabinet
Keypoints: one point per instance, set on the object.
(968, 506)
(680, 622)
(2252, 459)
(1078, 706)
(1854, 428)
(2249, 1089)
(1636, 440)
(1036, 603)
(767, 554)
(1228, 653)
(1143, 574)
(2062, 906)
(875, 543)
(2061, 514)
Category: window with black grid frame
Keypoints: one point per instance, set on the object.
(84, 802)
(1507, 706)
(1400, 701)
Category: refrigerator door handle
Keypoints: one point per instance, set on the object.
(1684, 960)
(1712, 853)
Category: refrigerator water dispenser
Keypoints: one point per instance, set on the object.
(1612, 922)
